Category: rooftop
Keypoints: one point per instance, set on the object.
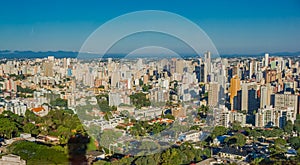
(234, 151)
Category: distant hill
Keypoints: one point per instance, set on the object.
(289, 54)
(69, 54)
(32, 54)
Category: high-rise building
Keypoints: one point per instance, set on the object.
(200, 72)
(246, 98)
(237, 101)
(213, 94)
(48, 69)
(235, 86)
(207, 66)
(263, 97)
(244, 103)
(264, 117)
(252, 103)
(251, 69)
(179, 66)
(266, 59)
(269, 117)
(272, 76)
(249, 97)
(228, 117)
(284, 101)
(115, 79)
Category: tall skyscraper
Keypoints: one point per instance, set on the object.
(266, 59)
(213, 94)
(252, 103)
(263, 97)
(115, 79)
(249, 96)
(235, 86)
(237, 101)
(207, 65)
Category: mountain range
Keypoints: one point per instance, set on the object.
(8, 54)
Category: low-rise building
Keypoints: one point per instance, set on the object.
(232, 153)
(11, 159)
(40, 111)
(192, 136)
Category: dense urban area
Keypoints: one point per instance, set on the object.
(168, 111)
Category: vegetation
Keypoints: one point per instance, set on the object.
(218, 131)
(168, 116)
(236, 140)
(38, 154)
(294, 142)
(288, 128)
(202, 111)
(184, 154)
(146, 88)
(59, 123)
(296, 127)
(18, 77)
(8, 128)
(59, 103)
(24, 90)
(103, 103)
(139, 100)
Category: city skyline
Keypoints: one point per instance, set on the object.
(158, 83)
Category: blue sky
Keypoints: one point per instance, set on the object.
(235, 26)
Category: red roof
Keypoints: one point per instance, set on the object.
(38, 109)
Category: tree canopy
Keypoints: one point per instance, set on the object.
(38, 154)
(139, 100)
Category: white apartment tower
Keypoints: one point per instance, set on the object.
(266, 59)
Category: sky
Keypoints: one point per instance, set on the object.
(234, 26)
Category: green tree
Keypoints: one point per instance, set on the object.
(24, 90)
(146, 88)
(275, 132)
(236, 140)
(218, 131)
(203, 109)
(141, 82)
(236, 126)
(171, 156)
(255, 134)
(169, 116)
(8, 128)
(278, 148)
(59, 102)
(103, 103)
(288, 128)
(280, 142)
(30, 116)
(139, 100)
(297, 125)
(256, 161)
(295, 142)
(30, 128)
